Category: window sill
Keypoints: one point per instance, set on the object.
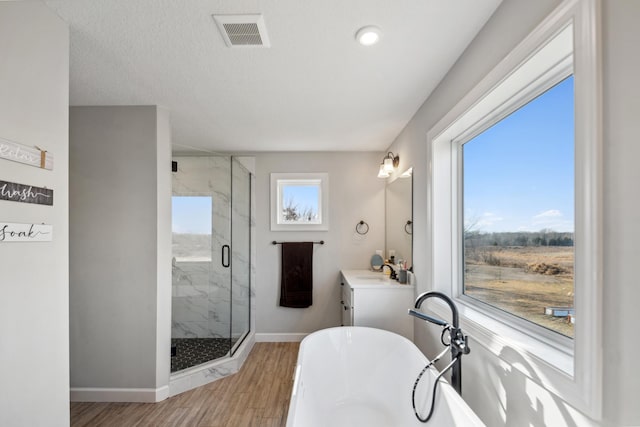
(496, 336)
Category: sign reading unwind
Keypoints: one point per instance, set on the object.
(25, 193)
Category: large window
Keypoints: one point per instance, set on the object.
(518, 216)
(514, 229)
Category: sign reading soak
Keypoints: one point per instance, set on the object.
(25, 193)
(13, 232)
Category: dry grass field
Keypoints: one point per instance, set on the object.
(523, 281)
(187, 246)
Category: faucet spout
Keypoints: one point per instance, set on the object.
(393, 275)
(433, 294)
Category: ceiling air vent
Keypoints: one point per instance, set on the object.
(243, 30)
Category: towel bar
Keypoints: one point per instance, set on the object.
(321, 242)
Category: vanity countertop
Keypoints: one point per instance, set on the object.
(371, 279)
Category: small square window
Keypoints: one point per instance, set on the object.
(299, 202)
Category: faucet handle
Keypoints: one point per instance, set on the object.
(460, 341)
(466, 349)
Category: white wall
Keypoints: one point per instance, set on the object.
(120, 252)
(34, 306)
(621, 67)
(354, 194)
(487, 378)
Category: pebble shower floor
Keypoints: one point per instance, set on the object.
(196, 351)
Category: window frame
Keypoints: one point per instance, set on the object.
(279, 180)
(572, 369)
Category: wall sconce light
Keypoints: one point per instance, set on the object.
(407, 173)
(389, 163)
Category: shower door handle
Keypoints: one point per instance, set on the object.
(225, 259)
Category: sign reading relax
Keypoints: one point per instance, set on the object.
(13, 232)
(25, 193)
(32, 156)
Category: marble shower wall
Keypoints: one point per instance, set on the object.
(201, 285)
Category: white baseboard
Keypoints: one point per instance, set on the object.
(143, 395)
(280, 337)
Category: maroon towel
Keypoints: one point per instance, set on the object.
(296, 287)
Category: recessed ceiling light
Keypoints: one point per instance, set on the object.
(369, 35)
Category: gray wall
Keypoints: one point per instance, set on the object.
(34, 310)
(530, 404)
(120, 247)
(354, 194)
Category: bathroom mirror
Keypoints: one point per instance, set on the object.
(399, 219)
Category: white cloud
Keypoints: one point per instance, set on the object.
(551, 213)
(551, 219)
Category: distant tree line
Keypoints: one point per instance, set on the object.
(475, 239)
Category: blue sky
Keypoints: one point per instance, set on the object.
(519, 174)
(305, 196)
(191, 214)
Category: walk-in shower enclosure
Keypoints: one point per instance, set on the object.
(211, 231)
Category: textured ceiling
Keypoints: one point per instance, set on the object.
(314, 89)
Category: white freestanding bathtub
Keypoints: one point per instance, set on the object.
(357, 376)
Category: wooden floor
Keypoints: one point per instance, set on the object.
(258, 395)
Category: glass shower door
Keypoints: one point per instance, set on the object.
(241, 257)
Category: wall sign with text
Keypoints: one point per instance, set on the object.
(25, 193)
(32, 156)
(15, 232)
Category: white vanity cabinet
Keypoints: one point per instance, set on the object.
(372, 299)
